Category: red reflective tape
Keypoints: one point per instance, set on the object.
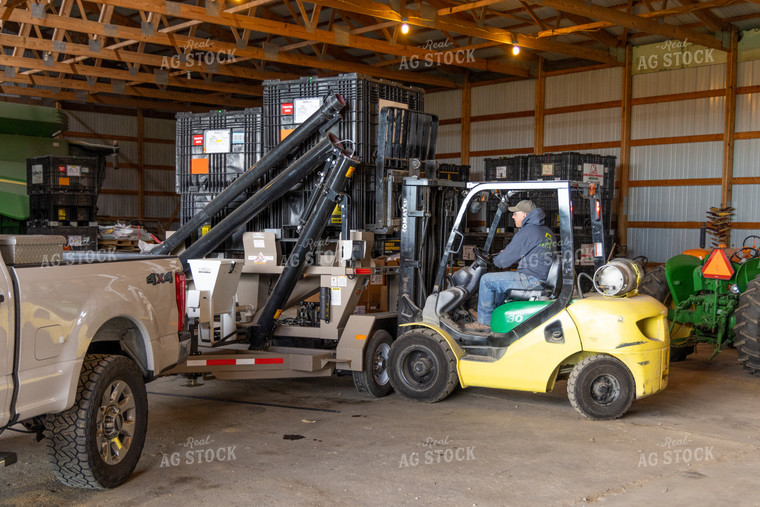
(220, 362)
(269, 360)
(363, 271)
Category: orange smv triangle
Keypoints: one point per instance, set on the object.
(718, 266)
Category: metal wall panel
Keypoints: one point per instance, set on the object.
(160, 207)
(159, 154)
(501, 134)
(446, 104)
(738, 236)
(659, 245)
(582, 127)
(449, 139)
(477, 168)
(676, 161)
(117, 205)
(748, 112)
(671, 204)
(694, 79)
(683, 118)
(748, 73)
(584, 87)
(100, 123)
(504, 97)
(746, 200)
(159, 181)
(160, 129)
(121, 179)
(746, 157)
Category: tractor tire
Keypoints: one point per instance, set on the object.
(601, 388)
(655, 284)
(422, 366)
(373, 381)
(747, 328)
(97, 443)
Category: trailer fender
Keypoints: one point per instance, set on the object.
(350, 352)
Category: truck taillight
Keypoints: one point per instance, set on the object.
(179, 278)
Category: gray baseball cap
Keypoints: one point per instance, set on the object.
(526, 206)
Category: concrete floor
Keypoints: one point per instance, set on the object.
(317, 442)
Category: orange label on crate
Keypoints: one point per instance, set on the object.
(199, 166)
(285, 133)
(64, 182)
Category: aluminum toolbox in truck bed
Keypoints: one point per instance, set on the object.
(29, 249)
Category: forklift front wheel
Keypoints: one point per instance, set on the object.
(373, 380)
(422, 366)
(601, 388)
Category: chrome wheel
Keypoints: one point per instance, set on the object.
(116, 422)
(380, 364)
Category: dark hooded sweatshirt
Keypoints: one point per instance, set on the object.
(533, 245)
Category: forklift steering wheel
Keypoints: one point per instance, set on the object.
(743, 254)
(482, 255)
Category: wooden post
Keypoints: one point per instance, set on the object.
(625, 149)
(729, 126)
(140, 164)
(538, 127)
(466, 110)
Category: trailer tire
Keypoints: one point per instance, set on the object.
(601, 388)
(373, 380)
(655, 284)
(747, 328)
(97, 443)
(422, 366)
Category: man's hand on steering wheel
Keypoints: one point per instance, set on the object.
(482, 255)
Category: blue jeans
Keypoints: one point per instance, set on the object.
(493, 290)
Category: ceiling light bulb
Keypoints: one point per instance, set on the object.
(404, 26)
(515, 50)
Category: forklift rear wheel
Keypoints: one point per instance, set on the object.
(373, 381)
(747, 328)
(97, 443)
(601, 388)
(422, 366)
(655, 284)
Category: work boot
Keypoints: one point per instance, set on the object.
(477, 327)
(473, 313)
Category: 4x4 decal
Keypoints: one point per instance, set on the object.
(156, 278)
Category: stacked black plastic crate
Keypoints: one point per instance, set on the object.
(563, 166)
(288, 103)
(212, 150)
(63, 194)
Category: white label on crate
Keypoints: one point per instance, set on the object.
(259, 243)
(85, 170)
(238, 138)
(587, 254)
(216, 141)
(501, 172)
(389, 103)
(335, 293)
(547, 169)
(305, 108)
(593, 173)
(376, 279)
(338, 281)
(260, 258)
(37, 174)
(73, 170)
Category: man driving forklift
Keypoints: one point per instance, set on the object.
(533, 247)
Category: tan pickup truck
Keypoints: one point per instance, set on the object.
(80, 335)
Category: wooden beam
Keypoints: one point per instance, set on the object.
(429, 20)
(729, 125)
(467, 6)
(632, 21)
(711, 21)
(305, 33)
(179, 41)
(466, 111)
(538, 122)
(625, 148)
